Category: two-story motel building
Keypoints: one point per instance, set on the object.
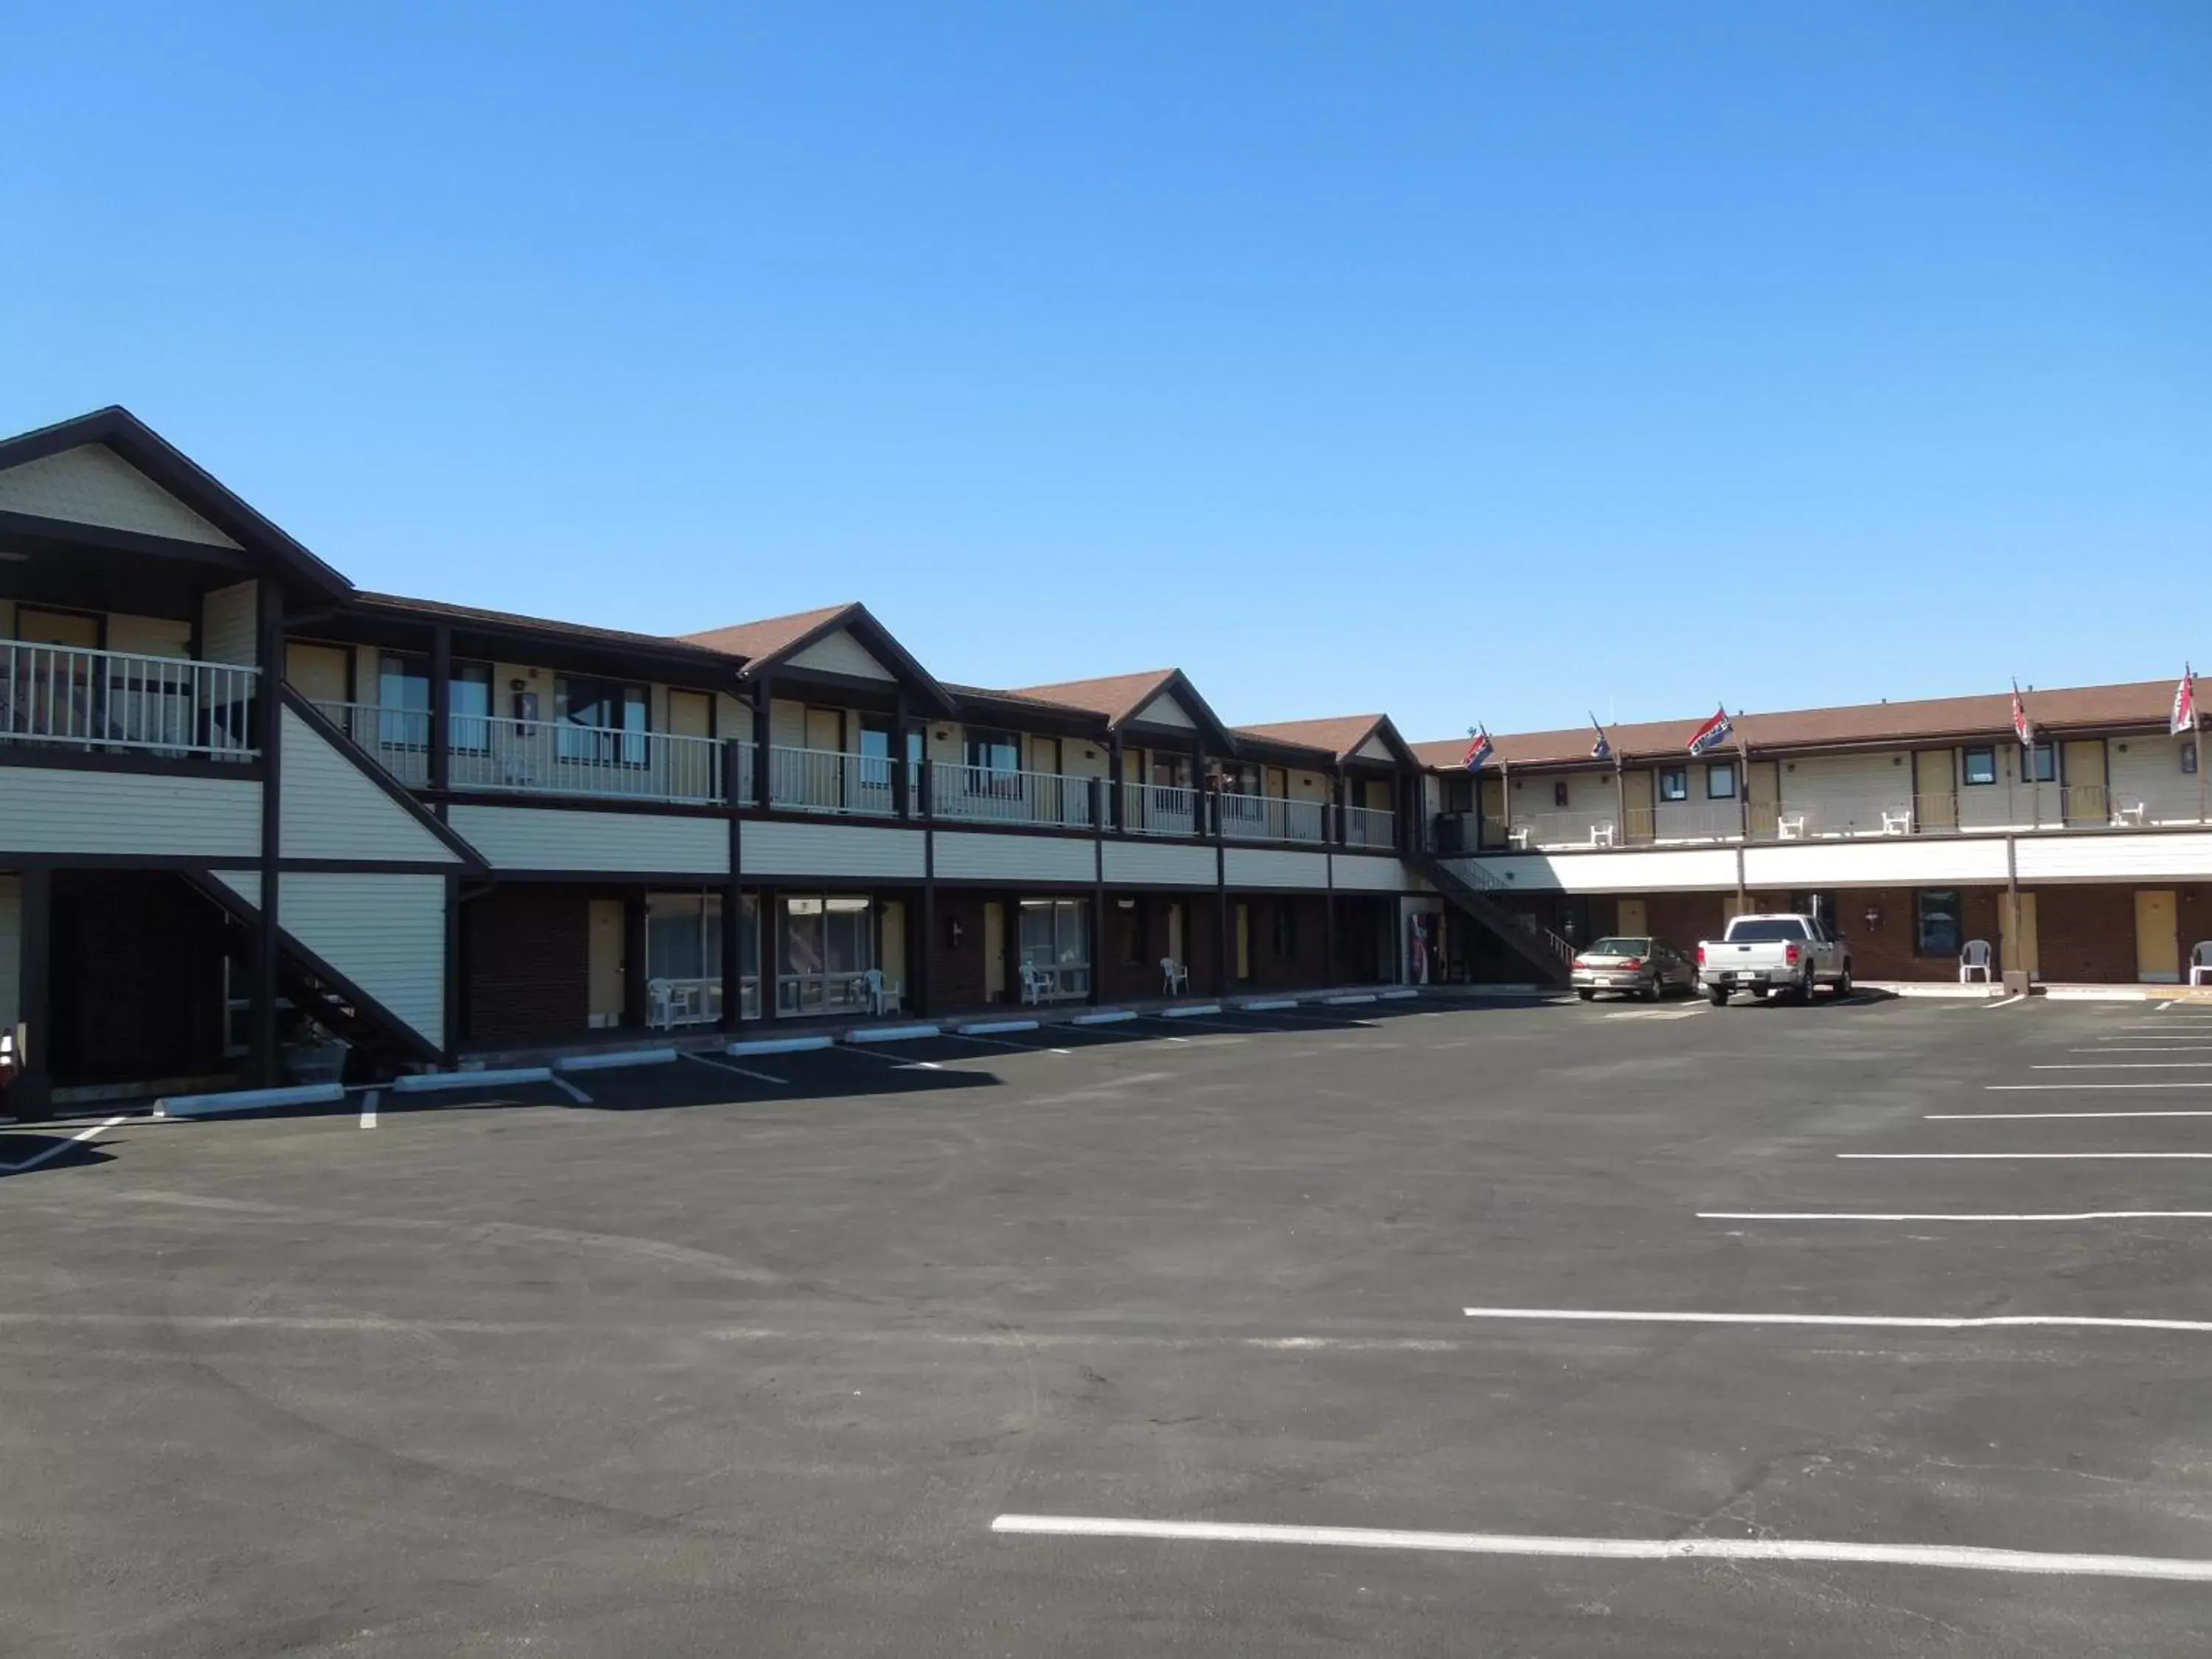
(237, 792)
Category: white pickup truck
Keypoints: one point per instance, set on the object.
(1766, 954)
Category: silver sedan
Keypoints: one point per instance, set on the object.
(1634, 967)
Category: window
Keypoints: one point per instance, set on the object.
(1936, 921)
(2046, 762)
(1720, 781)
(403, 695)
(1559, 793)
(2189, 758)
(824, 946)
(1056, 943)
(1981, 766)
(876, 757)
(683, 956)
(993, 751)
(1674, 783)
(602, 721)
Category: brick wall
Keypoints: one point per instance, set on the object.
(2086, 935)
(526, 965)
(1682, 919)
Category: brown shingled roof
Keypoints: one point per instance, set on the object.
(1117, 697)
(2141, 702)
(1338, 735)
(769, 635)
(516, 620)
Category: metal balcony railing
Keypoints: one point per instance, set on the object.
(1159, 809)
(491, 755)
(1270, 817)
(992, 796)
(831, 781)
(1370, 826)
(118, 702)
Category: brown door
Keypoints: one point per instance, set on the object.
(2158, 956)
(1638, 820)
(1493, 796)
(1762, 785)
(1243, 943)
(1633, 920)
(607, 963)
(691, 714)
(2082, 763)
(317, 672)
(1935, 792)
(994, 951)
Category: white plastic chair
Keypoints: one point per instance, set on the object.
(882, 998)
(1175, 978)
(660, 1006)
(1036, 985)
(2200, 961)
(1601, 834)
(1899, 823)
(1977, 957)
(1790, 826)
(2129, 816)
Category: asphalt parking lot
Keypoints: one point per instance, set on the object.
(1296, 1333)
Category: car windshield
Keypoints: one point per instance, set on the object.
(1765, 930)
(1621, 947)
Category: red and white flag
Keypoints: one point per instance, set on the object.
(2184, 703)
(2020, 723)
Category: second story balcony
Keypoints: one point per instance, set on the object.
(58, 698)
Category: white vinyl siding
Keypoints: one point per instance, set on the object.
(1352, 873)
(769, 848)
(11, 939)
(332, 810)
(230, 624)
(1014, 858)
(786, 724)
(1593, 799)
(1375, 748)
(92, 484)
(841, 653)
(1248, 866)
(1136, 863)
(2147, 769)
(1164, 710)
(1846, 794)
(1079, 758)
(1879, 861)
(1308, 786)
(1691, 870)
(385, 934)
(44, 810)
(551, 838)
(2102, 855)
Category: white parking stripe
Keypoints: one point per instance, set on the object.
(2001, 1002)
(1860, 1215)
(721, 1064)
(570, 1090)
(1957, 1558)
(2018, 1117)
(2125, 1065)
(2046, 1088)
(2160, 1048)
(1940, 1157)
(59, 1147)
(1881, 1321)
(1002, 1042)
(368, 1103)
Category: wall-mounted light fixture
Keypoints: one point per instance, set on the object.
(1873, 917)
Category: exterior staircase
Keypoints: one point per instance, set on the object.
(1477, 893)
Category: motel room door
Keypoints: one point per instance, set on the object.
(605, 971)
(994, 951)
(1638, 823)
(2158, 954)
(1935, 792)
(1631, 920)
(2083, 779)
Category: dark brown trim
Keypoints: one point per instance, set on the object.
(266, 934)
(393, 789)
(40, 757)
(127, 541)
(33, 1089)
(375, 867)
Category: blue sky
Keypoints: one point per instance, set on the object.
(1467, 361)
